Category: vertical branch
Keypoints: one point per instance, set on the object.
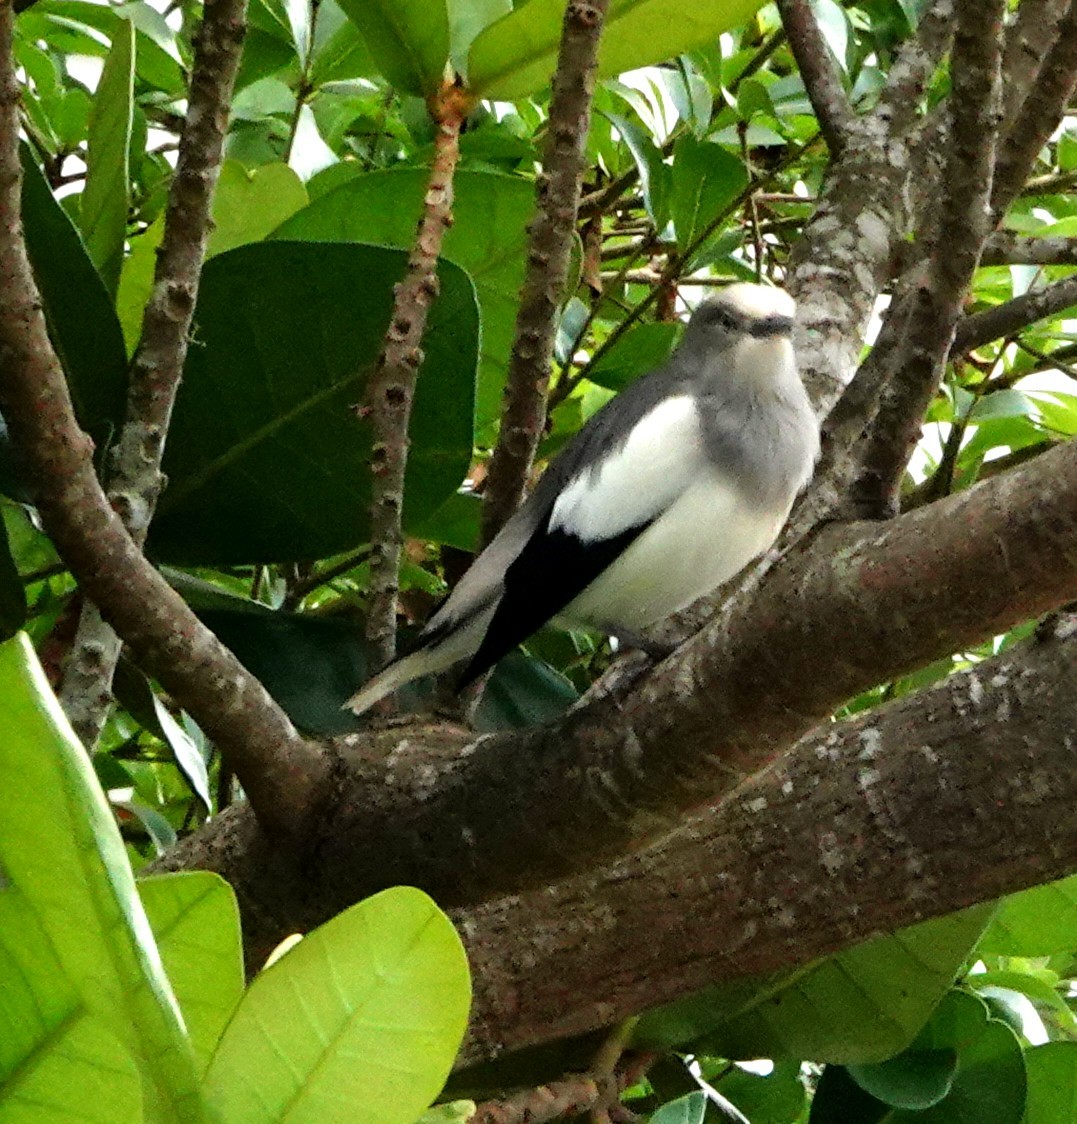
(547, 265)
(929, 314)
(134, 477)
(280, 772)
(392, 385)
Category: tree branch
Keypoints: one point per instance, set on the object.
(953, 796)
(1013, 316)
(392, 385)
(930, 312)
(821, 77)
(1028, 40)
(1039, 115)
(280, 771)
(1005, 248)
(134, 476)
(890, 598)
(551, 234)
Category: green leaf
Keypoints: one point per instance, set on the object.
(82, 322)
(862, 1005)
(250, 204)
(488, 238)
(408, 39)
(106, 196)
(1036, 922)
(57, 1061)
(778, 1098)
(466, 19)
(684, 1110)
(362, 1019)
(641, 349)
(839, 1100)
(266, 460)
(60, 848)
(915, 1079)
(515, 56)
(1052, 1083)
(654, 173)
(136, 281)
(195, 921)
(524, 691)
(12, 595)
(706, 179)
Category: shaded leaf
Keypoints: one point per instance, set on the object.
(654, 173)
(105, 198)
(1036, 922)
(684, 1110)
(12, 595)
(266, 460)
(915, 1079)
(706, 179)
(642, 348)
(249, 204)
(1052, 1083)
(408, 40)
(366, 1012)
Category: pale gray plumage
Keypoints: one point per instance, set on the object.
(668, 491)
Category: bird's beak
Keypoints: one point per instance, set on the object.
(768, 326)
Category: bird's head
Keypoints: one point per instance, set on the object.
(739, 313)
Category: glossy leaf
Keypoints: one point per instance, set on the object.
(249, 204)
(864, 1004)
(706, 180)
(684, 1110)
(488, 239)
(195, 921)
(1052, 1083)
(654, 173)
(362, 1019)
(408, 40)
(266, 460)
(82, 323)
(516, 56)
(640, 350)
(57, 1060)
(105, 198)
(60, 848)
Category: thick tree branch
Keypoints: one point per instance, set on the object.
(929, 313)
(843, 259)
(1006, 248)
(822, 80)
(1028, 40)
(950, 797)
(134, 467)
(889, 598)
(392, 385)
(1013, 316)
(1039, 115)
(278, 769)
(551, 235)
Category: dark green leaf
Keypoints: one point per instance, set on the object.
(408, 39)
(523, 691)
(82, 322)
(915, 1079)
(685, 1110)
(778, 1098)
(266, 460)
(488, 238)
(12, 597)
(839, 1100)
(103, 212)
(706, 179)
(639, 350)
(654, 173)
(1052, 1083)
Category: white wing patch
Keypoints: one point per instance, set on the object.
(638, 482)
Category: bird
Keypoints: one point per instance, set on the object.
(671, 489)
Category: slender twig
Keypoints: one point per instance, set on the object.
(934, 303)
(820, 75)
(1013, 316)
(1039, 115)
(551, 237)
(280, 772)
(1055, 184)
(392, 384)
(134, 478)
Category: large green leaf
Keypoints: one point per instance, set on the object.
(266, 460)
(408, 39)
(195, 921)
(360, 1021)
(865, 1004)
(1052, 1083)
(488, 238)
(57, 1061)
(706, 179)
(61, 849)
(1036, 922)
(516, 56)
(248, 204)
(82, 322)
(105, 198)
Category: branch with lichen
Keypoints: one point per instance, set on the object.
(280, 772)
(392, 385)
(550, 245)
(134, 478)
(1014, 315)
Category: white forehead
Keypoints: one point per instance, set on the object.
(757, 301)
